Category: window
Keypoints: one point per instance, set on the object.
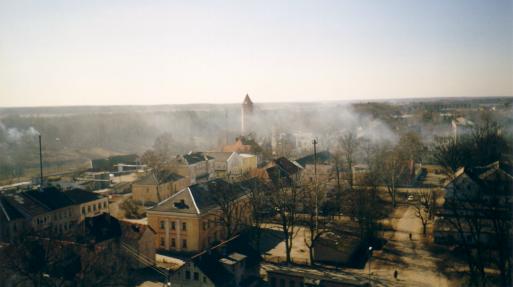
(94, 207)
(162, 224)
(173, 242)
(188, 274)
(173, 225)
(204, 279)
(162, 242)
(88, 209)
(196, 276)
(184, 226)
(83, 210)
(204, 225)
(184, 243)
(99, 206)
(104, 204)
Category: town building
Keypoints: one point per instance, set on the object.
(46, 210)
(191, 220)
(230, 263)
(244, 144)
(196, 166)
(226, 164)
(232, 164)
(284, 172)
(153, 188)
(484, 192)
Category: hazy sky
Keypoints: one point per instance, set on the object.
(166, 52)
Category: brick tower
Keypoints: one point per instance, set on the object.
(246, 113)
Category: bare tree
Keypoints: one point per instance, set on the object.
(313, 195)
(285, 198)
(230, 197)
(424, 205)
(392, 171)
(259, 206)
(349, 146)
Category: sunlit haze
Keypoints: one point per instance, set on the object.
(174, 52)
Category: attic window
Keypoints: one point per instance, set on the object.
(181, 205)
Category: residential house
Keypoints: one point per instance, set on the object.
(484, 192)
(320, 164)
(191, 220)
(153, 188)
(284, 172)
(226, 164)
(245, 144)
(196, 166)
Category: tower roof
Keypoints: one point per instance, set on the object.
(247, 100)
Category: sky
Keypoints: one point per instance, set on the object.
(176, 52)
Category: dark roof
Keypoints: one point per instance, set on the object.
(100, 228)
(283, 170)
(79, 196)
(238, 246)
(9, 212)
(205, 196)
(287, 166)
(50, 197)
(195, 157)
(210, 266)
(322, 158)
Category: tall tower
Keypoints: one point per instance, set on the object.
(246, 113)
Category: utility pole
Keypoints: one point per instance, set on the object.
(314, 142)
(40, 163)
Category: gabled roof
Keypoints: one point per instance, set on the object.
(322, 158)
(194, 157)
(220, 156)
(202, 197)
(495, 177)
(282, 171)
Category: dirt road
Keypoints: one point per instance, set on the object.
(415, 264)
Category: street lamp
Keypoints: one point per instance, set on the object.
(370, 256)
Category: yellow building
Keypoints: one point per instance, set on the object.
(249, 162)
(192, 219)
(150, 190)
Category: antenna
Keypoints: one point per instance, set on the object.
(40, 163)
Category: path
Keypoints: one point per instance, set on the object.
(412, 259)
